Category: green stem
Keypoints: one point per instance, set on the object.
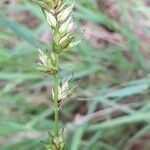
(56, 84)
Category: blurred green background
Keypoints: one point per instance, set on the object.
(111, 108)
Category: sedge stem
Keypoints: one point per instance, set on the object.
(56, 111)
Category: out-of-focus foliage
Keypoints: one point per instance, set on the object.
(112, 64)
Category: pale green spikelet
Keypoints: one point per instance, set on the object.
(46, 63)
(65, 91)
(58, 17)
(55, 142)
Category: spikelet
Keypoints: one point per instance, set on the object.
(46, 63)
(55, 142)
(58, 17)
(65, 91)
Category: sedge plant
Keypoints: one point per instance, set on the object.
(58, 16)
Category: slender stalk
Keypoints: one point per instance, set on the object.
(56, 84)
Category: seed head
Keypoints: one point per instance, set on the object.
(46, 63)
(65, 90)
(58, 17)
(55, 142)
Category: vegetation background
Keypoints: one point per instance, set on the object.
(111, 108)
